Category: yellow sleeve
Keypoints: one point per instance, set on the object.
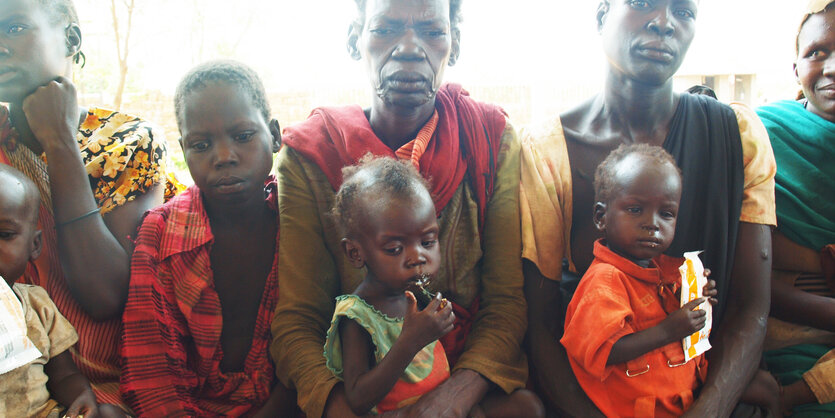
(493, 347)
(545, 198)
(308, 284)
(124, 156)
(821, 377)
(758, 205)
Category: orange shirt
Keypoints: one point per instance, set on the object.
(616, 297)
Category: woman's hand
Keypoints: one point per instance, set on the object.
(422, 327)
(52, 114)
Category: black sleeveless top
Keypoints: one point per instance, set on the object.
(705, 142)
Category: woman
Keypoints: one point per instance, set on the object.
(726, 204)
(98, 171)
(469, 153)
(801, 331)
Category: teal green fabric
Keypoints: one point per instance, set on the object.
(788, 365)
(804, 147)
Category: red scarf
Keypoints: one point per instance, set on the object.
(467, 139)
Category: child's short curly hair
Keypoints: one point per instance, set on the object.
(604, 176)
(223, 71)
(372, 175)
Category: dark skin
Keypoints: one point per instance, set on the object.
(814, 72)
(401, 40)
(21, 242)
(638, 222)
(406, 46)
(367, 384)
(45, 113)
(398, 241)
(69, 387)
(645, 48)
(228, 147)
(791, 304)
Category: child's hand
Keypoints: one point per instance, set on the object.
(684, 321)
(423, 327)
(85, 404)
(709, 291)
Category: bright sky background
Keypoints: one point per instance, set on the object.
(298, 44)
(536, 58)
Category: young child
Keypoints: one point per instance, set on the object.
(203, 276)
(381, 343)
(624, 327)
(52, 381)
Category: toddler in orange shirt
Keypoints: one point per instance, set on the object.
(624, 326)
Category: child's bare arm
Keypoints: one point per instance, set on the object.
(69, 387)
(367, 384)
(675, 326)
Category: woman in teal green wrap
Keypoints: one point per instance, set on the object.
(801, 330)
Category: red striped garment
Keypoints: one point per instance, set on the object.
(171, 349)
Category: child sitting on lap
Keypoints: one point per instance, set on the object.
(381, 343)
(52, 381)
(624, 327)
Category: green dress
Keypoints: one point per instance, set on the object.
(426, 371)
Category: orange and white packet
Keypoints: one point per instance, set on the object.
(16, 349)
(693, 280)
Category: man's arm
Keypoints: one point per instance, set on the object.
(737, 341)
(552, 373)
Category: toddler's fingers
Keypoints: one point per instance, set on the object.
(713, 301)
(445, 307)
(707, 272)
(710, 288)
(693, 304)
(448, 327)
(434, 304)
(411, 302)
